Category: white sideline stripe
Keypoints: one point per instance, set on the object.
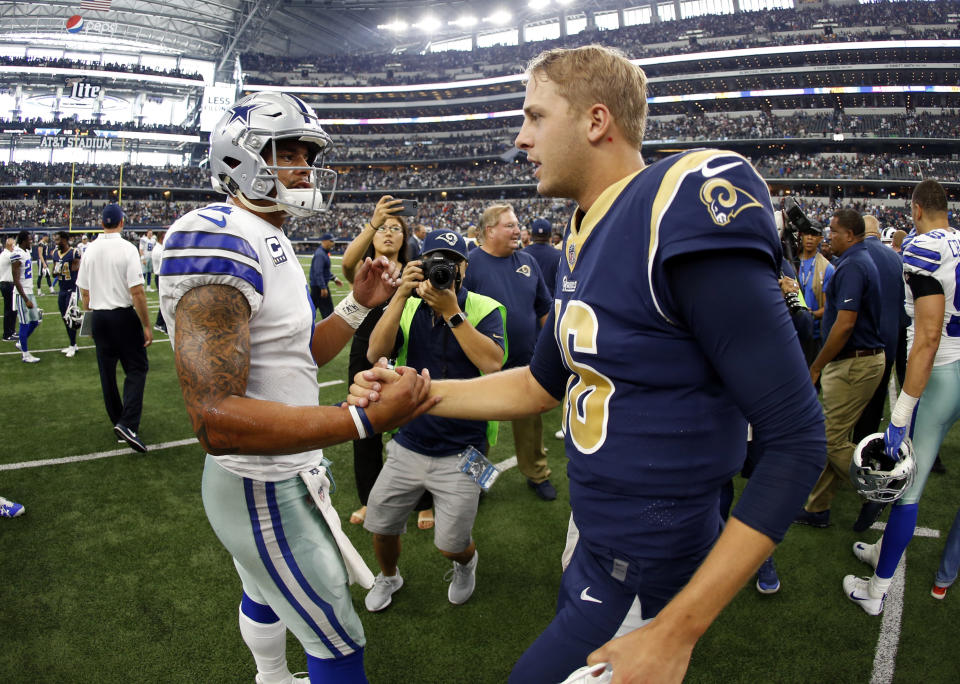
(120, 451)
(885, 657)
(918, 532)
(507, 464)
(157, 337)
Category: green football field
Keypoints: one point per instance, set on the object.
(114, 575)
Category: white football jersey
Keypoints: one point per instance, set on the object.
(937, 254)
(225, 244)
(22, 257)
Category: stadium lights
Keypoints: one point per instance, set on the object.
(538, 4)
(465, 21)
(499, 17)
(397, 26)
(428, 24)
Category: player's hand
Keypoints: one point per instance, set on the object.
(444, 302)
(814, 375)
(375, 281)
(386, 207)
(147, 336)
(892, 439)
(402, 400)
(324, 292)
(28, 302)
(648, 654)
(788, 285)
(367, 384)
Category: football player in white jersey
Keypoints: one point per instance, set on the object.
(238, 311)
(929, 401)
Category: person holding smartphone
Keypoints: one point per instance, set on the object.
(384, 235)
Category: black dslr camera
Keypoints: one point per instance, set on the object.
(797, 221)
(441, 270)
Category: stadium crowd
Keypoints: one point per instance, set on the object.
(64, 63)
(733, 31)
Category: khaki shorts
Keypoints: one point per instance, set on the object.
(405, 476)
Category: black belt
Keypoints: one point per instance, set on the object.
(857, 353)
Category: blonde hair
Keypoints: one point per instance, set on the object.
(491, 217)
(595, 74)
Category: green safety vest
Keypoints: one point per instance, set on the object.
(477, 307)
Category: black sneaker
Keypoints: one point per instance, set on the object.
(869, 512)
(544, 490)
(819, 519)
(130, 437)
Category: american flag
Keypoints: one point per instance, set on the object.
(95, 5)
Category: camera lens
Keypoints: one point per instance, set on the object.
(441, 276)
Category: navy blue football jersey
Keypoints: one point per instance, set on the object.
(649, 425)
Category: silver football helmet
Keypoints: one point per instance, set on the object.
(877, 476)
(247, 135)
(73, 316)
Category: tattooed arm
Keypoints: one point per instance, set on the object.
(212, 355)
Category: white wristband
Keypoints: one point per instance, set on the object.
(903, 409)
(361, 430)
(351, 312)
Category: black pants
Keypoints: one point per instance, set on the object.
(869, 421)
(118, 335)
(324, 304)
(9, 315)
(63, 301)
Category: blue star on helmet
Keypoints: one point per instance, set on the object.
(242, 112)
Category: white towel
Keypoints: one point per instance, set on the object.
(319, 487)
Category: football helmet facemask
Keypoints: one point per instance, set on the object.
(248, 132)
(878, 477)
(73, 316)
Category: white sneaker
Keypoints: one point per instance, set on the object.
(65, 350)
(71, 352)
(868, 553)
(297, 678)
(9, 509)
(30, 358)
(18, 346)
(858, 590)
(558, 434)
(463, 580)
(300, 678)
(380, 596)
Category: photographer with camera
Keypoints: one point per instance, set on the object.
(433, 324)
(814, 272)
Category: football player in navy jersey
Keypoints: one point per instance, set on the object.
(661, 356)
(66, 264)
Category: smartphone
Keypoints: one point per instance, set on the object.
(408, 207)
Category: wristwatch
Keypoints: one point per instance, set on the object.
(456, 319)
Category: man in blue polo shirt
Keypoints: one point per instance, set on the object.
(433, 323)
(511, 276)
(851, 360)
(546, 254)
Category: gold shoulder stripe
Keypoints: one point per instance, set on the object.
(599, 209)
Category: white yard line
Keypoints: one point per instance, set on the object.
(119, 451)
(885, 656)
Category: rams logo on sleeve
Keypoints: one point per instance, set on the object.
(724, 200)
